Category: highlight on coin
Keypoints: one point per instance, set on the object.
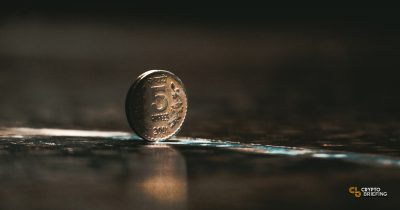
(156, 105)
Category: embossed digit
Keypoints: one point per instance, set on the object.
(160, 100)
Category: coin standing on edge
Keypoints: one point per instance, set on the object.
(156, 105)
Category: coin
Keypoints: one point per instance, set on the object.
(156, 105)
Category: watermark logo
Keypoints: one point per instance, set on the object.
(359, 192)
(353, 190)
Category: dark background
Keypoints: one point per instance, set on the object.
(249, 71)
(315, 78)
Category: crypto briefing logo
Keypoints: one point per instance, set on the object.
(367, 192)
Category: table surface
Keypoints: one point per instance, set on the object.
(279, 116)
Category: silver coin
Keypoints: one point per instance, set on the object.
(156, 105)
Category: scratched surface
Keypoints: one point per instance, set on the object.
(300, 85)
(53, 172)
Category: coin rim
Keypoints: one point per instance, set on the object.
(131, 91)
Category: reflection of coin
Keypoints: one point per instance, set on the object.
(156, 105)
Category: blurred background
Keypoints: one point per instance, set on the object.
(318, 79)
(248, 71)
